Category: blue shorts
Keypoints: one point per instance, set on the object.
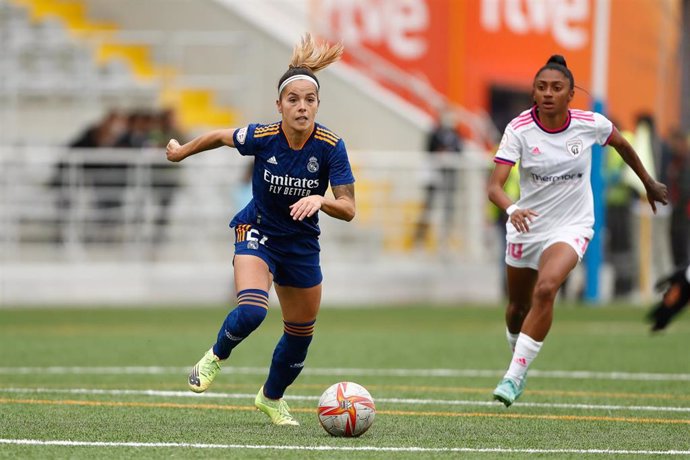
(293, 261)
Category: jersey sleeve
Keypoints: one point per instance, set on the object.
(340, 172)
(604, 129)
(509, 149)
(243, 139)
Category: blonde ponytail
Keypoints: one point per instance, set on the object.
(310, 55)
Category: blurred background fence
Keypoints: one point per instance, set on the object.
(125, 225)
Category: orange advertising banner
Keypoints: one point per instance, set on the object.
(467, 49)
(407, 36)
(506, 42)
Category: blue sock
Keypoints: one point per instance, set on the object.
(252, 306)
(288, 358)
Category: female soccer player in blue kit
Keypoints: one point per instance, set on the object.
(276, 234)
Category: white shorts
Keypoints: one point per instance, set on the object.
(527, 255)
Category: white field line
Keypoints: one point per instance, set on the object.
(250, 397)
(38, 442)
(451, 373)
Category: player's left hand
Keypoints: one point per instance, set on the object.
(306, 207)
(656, 192)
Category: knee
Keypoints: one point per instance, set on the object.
(518, 309)
(249, 317)
(546, 290)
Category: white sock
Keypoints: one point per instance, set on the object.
(512, 339)
(526, 349)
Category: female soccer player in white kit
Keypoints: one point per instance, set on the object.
(551, 224)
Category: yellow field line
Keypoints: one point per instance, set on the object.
(75, 402)
(587, 418)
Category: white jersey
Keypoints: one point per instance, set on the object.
(555, 170)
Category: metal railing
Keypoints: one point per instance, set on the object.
(126, 226)
(60, 203)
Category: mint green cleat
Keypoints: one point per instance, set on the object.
(277, 409)
(204, 372)
(508, 392)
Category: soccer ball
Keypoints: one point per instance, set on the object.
(346, 409)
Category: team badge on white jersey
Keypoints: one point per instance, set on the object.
(574, 146)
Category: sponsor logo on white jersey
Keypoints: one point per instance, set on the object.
(556, 179)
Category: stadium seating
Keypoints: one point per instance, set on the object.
(63, 61)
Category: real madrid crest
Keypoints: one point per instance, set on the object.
(313, 165)
(574, 147)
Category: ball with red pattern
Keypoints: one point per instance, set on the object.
(346, 409)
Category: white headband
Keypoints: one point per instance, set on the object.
(295, 78)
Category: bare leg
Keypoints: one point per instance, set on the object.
(555, 265)
(521, 283)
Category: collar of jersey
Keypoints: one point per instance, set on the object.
(287, 141)
(544, 128)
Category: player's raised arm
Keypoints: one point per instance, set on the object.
(211, 140)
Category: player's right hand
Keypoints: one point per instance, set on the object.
(521, 218)
(173, 151)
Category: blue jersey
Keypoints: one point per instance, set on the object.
(282, 176)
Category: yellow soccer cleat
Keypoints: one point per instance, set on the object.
(204, 372)
(277, 409)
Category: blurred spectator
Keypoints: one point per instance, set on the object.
(165, 175)
(108, 180)
(678, 176)
(443, 144)
(649, 148)
(97, 176)
(619, 200)
(104, 133)
(139, 132)
(676, 297)
(166, 127)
